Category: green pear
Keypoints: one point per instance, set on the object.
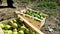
(14, 21)
(22, 28)
(21, 32)
(10, 22)
(15, 31)
(7, 32)
(14, 25)
(7, 27)
(21, 20)
(27, 31)
(33, 32)
(1, 26)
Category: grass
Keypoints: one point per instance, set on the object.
(49, 12)
(47, 4)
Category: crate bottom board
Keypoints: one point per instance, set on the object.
(33, 22)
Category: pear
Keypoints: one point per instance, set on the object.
(21, 32)
(14, 25)
(22, 28)
(10, 22)
(30, 32)
(7, 27)
(33, 32)
(27, 31)
(14, 21)
(15, 31)
(21, 20)
(1, 26)
(7, 32)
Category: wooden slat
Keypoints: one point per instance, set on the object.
(33, 22)
(33, 27)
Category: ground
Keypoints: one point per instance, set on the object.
(53, 20)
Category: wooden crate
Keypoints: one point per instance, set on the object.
(29, 25)
(38, 23)
(41, 21)
(30, 22)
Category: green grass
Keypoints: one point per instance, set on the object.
(50, 12)
(47, 4)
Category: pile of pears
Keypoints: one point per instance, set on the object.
(35, 14)
(16, 26)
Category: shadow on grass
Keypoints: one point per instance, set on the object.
(7, 7)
